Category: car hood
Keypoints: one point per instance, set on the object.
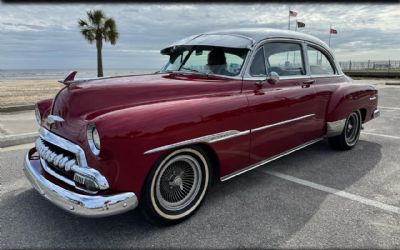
(81, 102)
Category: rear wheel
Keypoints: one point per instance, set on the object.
(350, 134)
(176, 186)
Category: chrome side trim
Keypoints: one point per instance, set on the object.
(281, 123)
(223, 135)
(335, 128)
(83, 205)
(204, 139)
(258, 164)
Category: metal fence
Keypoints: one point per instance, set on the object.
(370, 65)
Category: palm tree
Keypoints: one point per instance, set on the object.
(97, 28)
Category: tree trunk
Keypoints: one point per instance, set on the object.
(99, 45)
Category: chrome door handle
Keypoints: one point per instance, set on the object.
(309, 82)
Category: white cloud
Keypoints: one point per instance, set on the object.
(49, 36)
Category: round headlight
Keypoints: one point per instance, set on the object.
(93, 139)
(37, 115)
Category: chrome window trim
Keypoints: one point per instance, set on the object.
(326, 76)
(326, 53)
(213, 138)
(258, 164)
(255, 52)
(261, 43)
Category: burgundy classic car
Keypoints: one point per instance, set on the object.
(225, 103)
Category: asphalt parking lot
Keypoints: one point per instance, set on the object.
(316, 197)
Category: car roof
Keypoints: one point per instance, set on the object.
(241, 38)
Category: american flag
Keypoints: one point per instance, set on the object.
(292, 13)
(332, 31)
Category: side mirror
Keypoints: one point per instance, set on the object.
(273, 77)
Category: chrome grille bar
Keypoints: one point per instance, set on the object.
(77, 166)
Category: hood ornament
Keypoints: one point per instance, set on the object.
(69, 77)
(51, 119)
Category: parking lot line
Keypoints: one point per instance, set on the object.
(394, 108)
(343, 194)
(382, 135)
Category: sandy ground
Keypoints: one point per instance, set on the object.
(22, 92)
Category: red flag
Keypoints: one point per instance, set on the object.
(332, 31)
(292, 13)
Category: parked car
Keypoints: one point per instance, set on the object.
(225, 103)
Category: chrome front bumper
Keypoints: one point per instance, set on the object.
(83, 205)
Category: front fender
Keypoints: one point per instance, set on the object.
(126, 134)
(44, 107)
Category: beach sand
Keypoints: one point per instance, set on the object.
(24, 92)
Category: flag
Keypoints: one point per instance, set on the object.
(332, 31)
(300, 24)
(292, 13)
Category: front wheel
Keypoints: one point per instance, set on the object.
(350, 134)
(176, 186)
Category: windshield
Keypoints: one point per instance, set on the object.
(206, 60)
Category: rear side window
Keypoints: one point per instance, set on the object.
(257, 67)
(284, 58)
(319, 63)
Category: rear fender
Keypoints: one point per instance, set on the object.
(347, 99)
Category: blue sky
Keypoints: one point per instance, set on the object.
(46, 36)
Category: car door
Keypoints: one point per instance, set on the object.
(326, 78)
(281, 114)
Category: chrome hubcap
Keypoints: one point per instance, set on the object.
(178, 183)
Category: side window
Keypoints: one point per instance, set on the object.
(319, 63)
(257, 67)
(286, 59)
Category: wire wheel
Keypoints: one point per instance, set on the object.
(352, 128)
(178, 182)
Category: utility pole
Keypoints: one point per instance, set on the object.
(330, 34)
(288, 26)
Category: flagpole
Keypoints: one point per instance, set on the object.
(288, 26)
(330, 34)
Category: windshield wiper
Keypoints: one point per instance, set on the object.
(192, 70)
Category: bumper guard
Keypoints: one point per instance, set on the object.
(83, 205)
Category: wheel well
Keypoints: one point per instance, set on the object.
(213, 158)
(363, 114)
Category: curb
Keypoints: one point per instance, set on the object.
(17, 108)
(393, 83)
(12, 140)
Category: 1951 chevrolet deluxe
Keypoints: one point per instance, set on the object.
(225, 102)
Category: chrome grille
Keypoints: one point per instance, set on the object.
(67, 162)
(54, 155)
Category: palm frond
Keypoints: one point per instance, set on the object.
(110, 33)
(98, 27)
(96, 17)
(89, 34)
(82, 23)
